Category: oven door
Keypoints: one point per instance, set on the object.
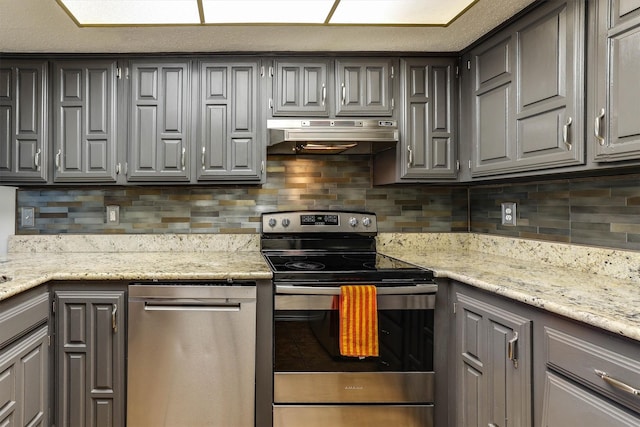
(308, 368)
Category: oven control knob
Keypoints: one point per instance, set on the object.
(285, 222)
(366, 221)
(353, 221)
(272, 222)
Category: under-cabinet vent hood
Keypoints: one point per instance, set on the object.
(331, 136)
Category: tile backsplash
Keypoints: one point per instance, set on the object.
(598, 211)
(294, 182)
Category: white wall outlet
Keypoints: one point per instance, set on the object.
(113, 214)
(509, 213)
(27, 217)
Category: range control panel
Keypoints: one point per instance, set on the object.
(319, 222)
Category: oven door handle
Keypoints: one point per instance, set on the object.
(425, 288)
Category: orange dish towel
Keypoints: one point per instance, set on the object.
(358, 321)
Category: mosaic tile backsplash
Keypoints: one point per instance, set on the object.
(602, 211)
(293, 183)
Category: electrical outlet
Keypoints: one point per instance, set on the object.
(509, 213)
(113, 214)
(27, 217)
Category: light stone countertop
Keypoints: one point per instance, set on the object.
(34, 261)
(578, 291)
(600, 287)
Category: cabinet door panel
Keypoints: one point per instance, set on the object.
(427, 146)
(363, 87)
(230, 147)
(528, 109)
(23, 121)
(90, 358)
(300, 88)
(484, 334)
(159, 133)
(85, 134)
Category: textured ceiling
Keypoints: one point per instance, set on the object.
(42, 26)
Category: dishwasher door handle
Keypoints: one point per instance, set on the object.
(191, 307)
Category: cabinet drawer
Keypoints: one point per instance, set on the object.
(586, 362)
(18, 317)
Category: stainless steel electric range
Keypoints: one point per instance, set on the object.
(312, 254)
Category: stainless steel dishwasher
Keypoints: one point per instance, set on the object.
(191, 354)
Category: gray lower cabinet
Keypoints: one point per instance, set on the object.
(23, 121)
(615, 129)
(230, 143)
(89, 358)
(85, 121)
(300, 87)
(527, 93)
(492, 363)
(159, 121)
(591, 377)
(24, 360)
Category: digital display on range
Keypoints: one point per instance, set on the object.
(319, 220)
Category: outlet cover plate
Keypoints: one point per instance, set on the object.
(27, 217)
(509, 213)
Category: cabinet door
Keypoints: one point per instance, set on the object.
(23, 123)
(85, 127)
(24, 368)
(230, 140)
(90, 358)
(429, 106)
(300, 88)
(160, 121)
(616, 129)
(364, 87)
(528, 86)
(493, 365)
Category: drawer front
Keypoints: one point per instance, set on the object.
(566, 404)
(605, 370)
(18, 318)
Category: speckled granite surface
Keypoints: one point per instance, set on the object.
(36, 260)
(600, 287)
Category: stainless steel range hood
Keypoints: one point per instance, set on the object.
(331, 136)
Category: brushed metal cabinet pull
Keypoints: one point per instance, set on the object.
(344, 94)
(204, 152)
(183, 158)
(114, 318)
(512, 350)
(324, 94)
(58, 155)
(410, 163)
(36, 160)
(617, 383)
(596, 127)
(565, 133)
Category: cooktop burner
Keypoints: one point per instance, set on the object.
(304, 265)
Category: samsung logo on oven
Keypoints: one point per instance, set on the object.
(354, 387)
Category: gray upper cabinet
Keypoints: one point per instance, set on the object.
(614, 127)
(527, 91)
(300, 87)
(23, 123)
(364, 87)
(428, 118)
(85, 121)
(492, 364)
(90, 358)
(229, 139)
(159, 121)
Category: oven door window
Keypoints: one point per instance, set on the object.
(308, 341)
